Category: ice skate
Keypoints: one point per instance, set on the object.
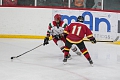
(91, 62)
(66, 58)
(69, 57)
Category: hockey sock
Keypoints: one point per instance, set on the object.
(62, 49)
(86, 54)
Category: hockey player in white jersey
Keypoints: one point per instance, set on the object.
(55, 29)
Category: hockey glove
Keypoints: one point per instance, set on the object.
(57, 37)
(46, 39)
(93, 40)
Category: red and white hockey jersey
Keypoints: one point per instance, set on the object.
(55, 29)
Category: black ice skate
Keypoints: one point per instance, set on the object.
(91, 62)
(65, 60)
(67, 57)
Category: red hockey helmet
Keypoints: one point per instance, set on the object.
(57, 17)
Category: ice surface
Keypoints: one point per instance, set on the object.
(45, 62)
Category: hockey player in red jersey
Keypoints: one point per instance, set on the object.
(75, 34)
(56, 28)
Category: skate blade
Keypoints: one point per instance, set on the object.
(69, 58)
(91, 65)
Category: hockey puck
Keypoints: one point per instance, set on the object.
(11, 57)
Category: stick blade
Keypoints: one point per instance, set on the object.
(116, 39)
(12, 58)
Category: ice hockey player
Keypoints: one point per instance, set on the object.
(75, 33)
(56, 28)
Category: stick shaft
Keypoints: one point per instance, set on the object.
(28, 51)
(98, 41)
(107, 41)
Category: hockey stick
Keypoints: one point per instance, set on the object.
(107, 41)
(26, 52)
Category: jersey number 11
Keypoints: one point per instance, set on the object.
(76, 29)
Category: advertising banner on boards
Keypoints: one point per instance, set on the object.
(102, 24)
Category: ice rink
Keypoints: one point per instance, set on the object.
(45, 62)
